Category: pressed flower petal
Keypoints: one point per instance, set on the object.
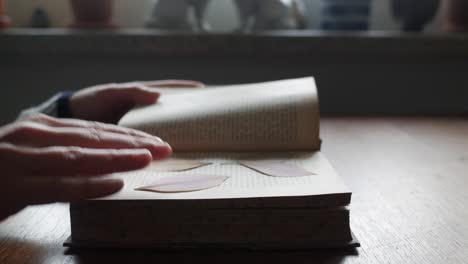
(276, 168)
(174, 165)
(184, 183)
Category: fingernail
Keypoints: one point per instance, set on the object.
(165, 144)
(136, 151)
(139, 153)
(111, 185)
(161, 143)
(159, 140)
(169, 146)
(163, 153)
(114, 181)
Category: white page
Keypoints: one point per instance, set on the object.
(243, 182)
(271, 116)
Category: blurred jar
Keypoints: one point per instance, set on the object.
(4, 19)
(345, 15)
(456, 15)
(261, 15)
(92, 13)
(179, 15)
(414, 14)
(40, 18)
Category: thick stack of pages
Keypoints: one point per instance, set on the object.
(273, 121)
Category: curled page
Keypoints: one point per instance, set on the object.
(175, 165)
(184, 183)
(271, 116)
(276, 168)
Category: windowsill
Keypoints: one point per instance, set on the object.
(284, 33)
(357, 73)
(322, 46)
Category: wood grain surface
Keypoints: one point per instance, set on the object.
(409, 178)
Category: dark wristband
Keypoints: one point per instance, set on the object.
(63, 105)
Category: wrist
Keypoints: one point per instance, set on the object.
(63, 104)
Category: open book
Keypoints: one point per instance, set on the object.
(276, 121)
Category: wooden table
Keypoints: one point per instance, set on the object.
(409, 178)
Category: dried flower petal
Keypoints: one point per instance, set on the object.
(276, 168)
(174, 165)
(184, 183)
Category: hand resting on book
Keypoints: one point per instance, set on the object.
(45, 159)
(109, 102)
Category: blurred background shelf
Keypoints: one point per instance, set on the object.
(357, 73)
(320, 44)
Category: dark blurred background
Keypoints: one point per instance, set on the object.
(369, 56)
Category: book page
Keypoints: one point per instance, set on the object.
(243, 182)
(271, 116)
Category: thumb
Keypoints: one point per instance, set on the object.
(143, 96)
(135, 95)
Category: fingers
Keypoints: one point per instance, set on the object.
(172, 83)
(63, 122)
(134, 94)
(38, 135)
(47, 190)
(109, 102)
(70, 161)
(140, 93)
(48, 131)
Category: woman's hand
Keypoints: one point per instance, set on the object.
(108, 103)
(44, 159)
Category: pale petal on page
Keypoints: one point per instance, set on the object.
(276, 168)
(184, 183)
(174, 165)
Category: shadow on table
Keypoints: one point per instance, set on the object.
(224, 256)
(15, 250)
